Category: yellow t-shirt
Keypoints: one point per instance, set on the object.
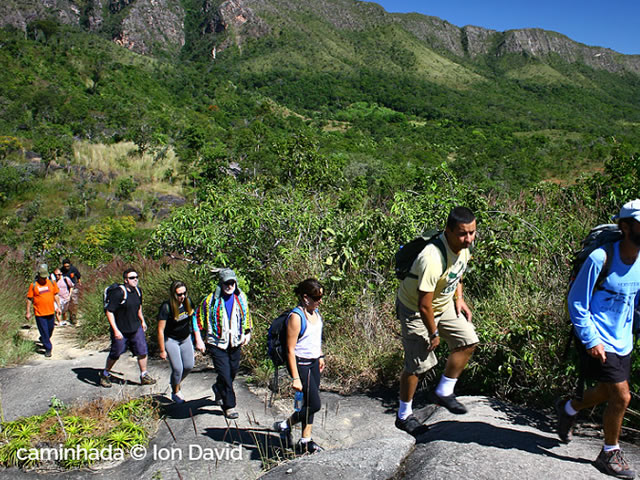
(428, 268)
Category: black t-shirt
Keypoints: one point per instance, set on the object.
(176, 329)
(126, 314)
(71, 272)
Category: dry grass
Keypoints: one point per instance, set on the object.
(121, 159)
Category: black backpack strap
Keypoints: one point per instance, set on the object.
(604, 273)
(437, 241)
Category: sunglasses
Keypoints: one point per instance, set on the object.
(315, 298)
(183, 294)
(230, 282)
(133, 278)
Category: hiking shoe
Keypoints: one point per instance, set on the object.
(147, 380)
(231, 414)
(451, 403)
(565, 421)
(217, 399)
(411, 425)
(614, 463)
(47, 353)
(105, 381)
(286, 440)
(309, 447)
(177, 397)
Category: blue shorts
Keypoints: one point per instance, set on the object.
(135, 341)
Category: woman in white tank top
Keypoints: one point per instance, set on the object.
(305, 362)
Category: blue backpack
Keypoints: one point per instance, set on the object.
(277, 336)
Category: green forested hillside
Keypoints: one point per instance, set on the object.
(314, 151)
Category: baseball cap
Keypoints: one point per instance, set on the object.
(43, 271)
(629, 210)
(226, 275)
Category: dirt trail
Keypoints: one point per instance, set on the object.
(65, 341)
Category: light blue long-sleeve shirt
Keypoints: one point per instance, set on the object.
(605, 315)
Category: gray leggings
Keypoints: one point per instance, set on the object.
(180, 355)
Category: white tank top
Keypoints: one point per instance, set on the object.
(310, 343)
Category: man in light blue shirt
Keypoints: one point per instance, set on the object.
(602, 318)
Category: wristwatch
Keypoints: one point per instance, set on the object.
(434, 335)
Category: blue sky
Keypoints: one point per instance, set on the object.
(598, 23)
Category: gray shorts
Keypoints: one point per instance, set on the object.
(454, 329)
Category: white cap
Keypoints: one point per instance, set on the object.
(629, 210)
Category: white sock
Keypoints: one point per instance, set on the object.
(405, 409)
(610, 448)
(446, 386)
(105, 373)
(569, 409)
(142, 374)
(305, 440)
(284, 425)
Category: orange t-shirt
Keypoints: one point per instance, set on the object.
(43, 297)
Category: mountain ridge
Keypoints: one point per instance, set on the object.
(151, 27)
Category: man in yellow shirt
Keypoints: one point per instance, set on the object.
(429, 306)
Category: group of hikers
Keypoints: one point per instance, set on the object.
(52, 298)
(430, 305)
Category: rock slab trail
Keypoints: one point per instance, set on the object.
(494, 440)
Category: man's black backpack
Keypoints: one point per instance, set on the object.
(277, 336)
(407, 254)
(108, 293)
(601, 236)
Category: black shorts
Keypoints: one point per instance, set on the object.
(616, 369)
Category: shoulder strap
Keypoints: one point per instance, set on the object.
(66, 281)
(303, 320)
(606, 266)
(437, 241)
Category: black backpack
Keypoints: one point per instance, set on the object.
(407, 254)
(106, 296)
(602, 236)
(277, 336)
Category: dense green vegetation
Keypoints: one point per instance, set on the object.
(335, 164)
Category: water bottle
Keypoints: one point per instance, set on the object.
(297, 401)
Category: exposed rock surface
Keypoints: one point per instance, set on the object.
(495, 440)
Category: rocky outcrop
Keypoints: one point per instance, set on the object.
(539, 43)
(20, 13)
(235, 18)
(151, 25)
(144, 26)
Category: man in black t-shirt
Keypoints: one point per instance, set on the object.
(124, 311)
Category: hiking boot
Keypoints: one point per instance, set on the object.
(451, 403)
(177, 397)
(47, 353)
(231, 414)
(147, 380)
(285, 435)
(565, 421)
(309, 447)
(614, 463)
(217, 399)
(105, 381)
(411, 425)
